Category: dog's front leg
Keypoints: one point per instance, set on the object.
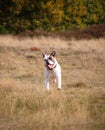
(46, 77)
(47, 84)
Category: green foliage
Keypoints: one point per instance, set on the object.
(50, 15)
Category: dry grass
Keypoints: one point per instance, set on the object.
(25, 105)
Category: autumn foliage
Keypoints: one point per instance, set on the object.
(50, 15)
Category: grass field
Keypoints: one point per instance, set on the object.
(24, 103)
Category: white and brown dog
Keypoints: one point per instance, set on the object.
(52, 68)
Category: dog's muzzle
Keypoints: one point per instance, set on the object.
(47, 63)
(50, 66)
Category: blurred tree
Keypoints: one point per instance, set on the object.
(50, 15)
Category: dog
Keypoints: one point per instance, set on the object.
(51, 68)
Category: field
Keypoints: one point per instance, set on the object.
(24, 103)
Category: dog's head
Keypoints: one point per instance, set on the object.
(50, 60)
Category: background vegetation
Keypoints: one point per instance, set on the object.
(51, 15)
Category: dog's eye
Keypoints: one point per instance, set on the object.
(50, 58)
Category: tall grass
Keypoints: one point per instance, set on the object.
(34, 108)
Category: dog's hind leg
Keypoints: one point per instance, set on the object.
(58, 78)
(55, 80)
(59, 82)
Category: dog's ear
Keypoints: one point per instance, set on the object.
(43, 55)
(53, 53)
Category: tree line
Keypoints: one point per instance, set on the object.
(50, 15)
